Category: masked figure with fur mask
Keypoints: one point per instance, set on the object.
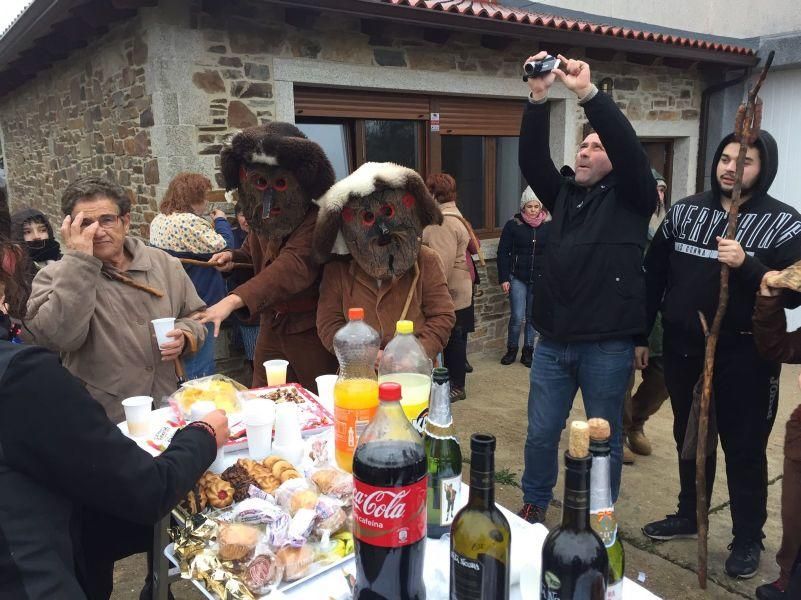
(372, 222)
(277, 173)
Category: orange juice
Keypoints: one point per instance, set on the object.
(355, 403)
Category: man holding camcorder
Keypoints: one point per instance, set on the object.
(589, 291)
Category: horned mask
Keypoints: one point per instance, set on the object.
(377, 215)
(278, 172)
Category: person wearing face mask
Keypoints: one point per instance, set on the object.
(683, 278)
(31, 228)
(182, 230)
(522, 242)
(591, 301)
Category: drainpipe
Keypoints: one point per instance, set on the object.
(703, 134)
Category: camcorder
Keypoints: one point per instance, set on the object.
(540, 68)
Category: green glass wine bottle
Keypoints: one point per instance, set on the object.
(444, 457)
(481, 540)
(602, 510)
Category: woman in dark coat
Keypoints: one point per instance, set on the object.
(523, 240)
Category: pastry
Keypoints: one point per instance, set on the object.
(270, 461)
(263, 573)
(324, 478)
(219, 492)
(267, 483)
(302, 499)
(240, 479)
(280, 466)
(237, 541)
(195, 500)
(296, 561)
(289, 474)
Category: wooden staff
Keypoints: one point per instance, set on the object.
(746, 129)
(203, 263)
(117, 276)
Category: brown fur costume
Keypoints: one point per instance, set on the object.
(377, 215)
(278, 173)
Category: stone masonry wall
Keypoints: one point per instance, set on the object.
(89, 114)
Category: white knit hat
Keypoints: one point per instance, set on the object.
(528, 196)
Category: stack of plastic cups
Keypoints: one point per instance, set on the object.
(288, 443)
(325, 391)
(200, 410)
(258, 416)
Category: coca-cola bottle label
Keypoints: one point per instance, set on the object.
(389, 517)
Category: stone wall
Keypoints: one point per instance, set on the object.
(89, 114)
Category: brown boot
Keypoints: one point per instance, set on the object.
(639, 443)
(628, 457)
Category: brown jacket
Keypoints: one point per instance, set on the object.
(102, 327)
(345, 285)
(772, 339)
(286, 278)
(450, 241)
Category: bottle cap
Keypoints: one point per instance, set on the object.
(440, 375)
(599, 429)
(404, 327)
(579, 445)
(355, 314)
(389, 391)
(482, 442)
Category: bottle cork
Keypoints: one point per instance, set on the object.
(599, 429)
(579, 445)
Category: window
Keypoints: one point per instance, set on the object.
(476, 142)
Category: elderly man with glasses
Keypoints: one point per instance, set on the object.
(95, 305)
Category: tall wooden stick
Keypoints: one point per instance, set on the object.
(203, 263)
(746, 130)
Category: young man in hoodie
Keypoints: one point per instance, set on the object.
(32, 228)
(683, 277)
(590, 302)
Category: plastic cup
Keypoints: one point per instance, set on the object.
(288, 442)
(325, 391)
(162, 327)
(137, 415)
(276, 371)
(258, 417)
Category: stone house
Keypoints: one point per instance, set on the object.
(141, 90)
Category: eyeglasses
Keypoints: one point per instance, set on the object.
(106, 221)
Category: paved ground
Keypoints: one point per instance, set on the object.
(497, 404)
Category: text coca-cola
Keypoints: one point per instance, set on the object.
(389, 505)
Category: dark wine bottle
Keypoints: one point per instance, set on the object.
(481, 540)
(444, 457)
(574, 561)
(602, 511)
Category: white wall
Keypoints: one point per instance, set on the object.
(782, 118)
(730, 18)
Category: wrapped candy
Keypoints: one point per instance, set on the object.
(329, 517)
(300, 527)
(255, 510)
(263, 574)
(191, 539)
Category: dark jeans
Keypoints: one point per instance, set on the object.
(746, 390)
(201, 363)
(455, 355)
(521, 297)
(602, 370)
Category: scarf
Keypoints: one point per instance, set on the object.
(42, 250)
(537, 220)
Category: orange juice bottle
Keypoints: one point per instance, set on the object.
(356, 390)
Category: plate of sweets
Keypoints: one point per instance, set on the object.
(314, 418)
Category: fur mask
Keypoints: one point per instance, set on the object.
(377, 214)
(278, 173)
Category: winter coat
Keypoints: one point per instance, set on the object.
(18, 220)
(346, 285)
(186, 235)
(450, 241)
(521, 247)
(592, 282)
(102, 327)
(61, 461)
(683, 271)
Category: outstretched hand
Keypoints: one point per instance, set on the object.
(575, 74)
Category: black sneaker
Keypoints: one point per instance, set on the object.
(509, 357)
(770, 591)
(671, 528)
(743, 561)
(532, 513)
(468, 368)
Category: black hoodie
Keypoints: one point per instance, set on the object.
(682, 267)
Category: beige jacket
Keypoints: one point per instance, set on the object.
(102, 327)
(450, 240)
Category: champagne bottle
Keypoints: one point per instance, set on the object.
(444, 458)
(481, 540)
(574, 561)
(602, 511)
